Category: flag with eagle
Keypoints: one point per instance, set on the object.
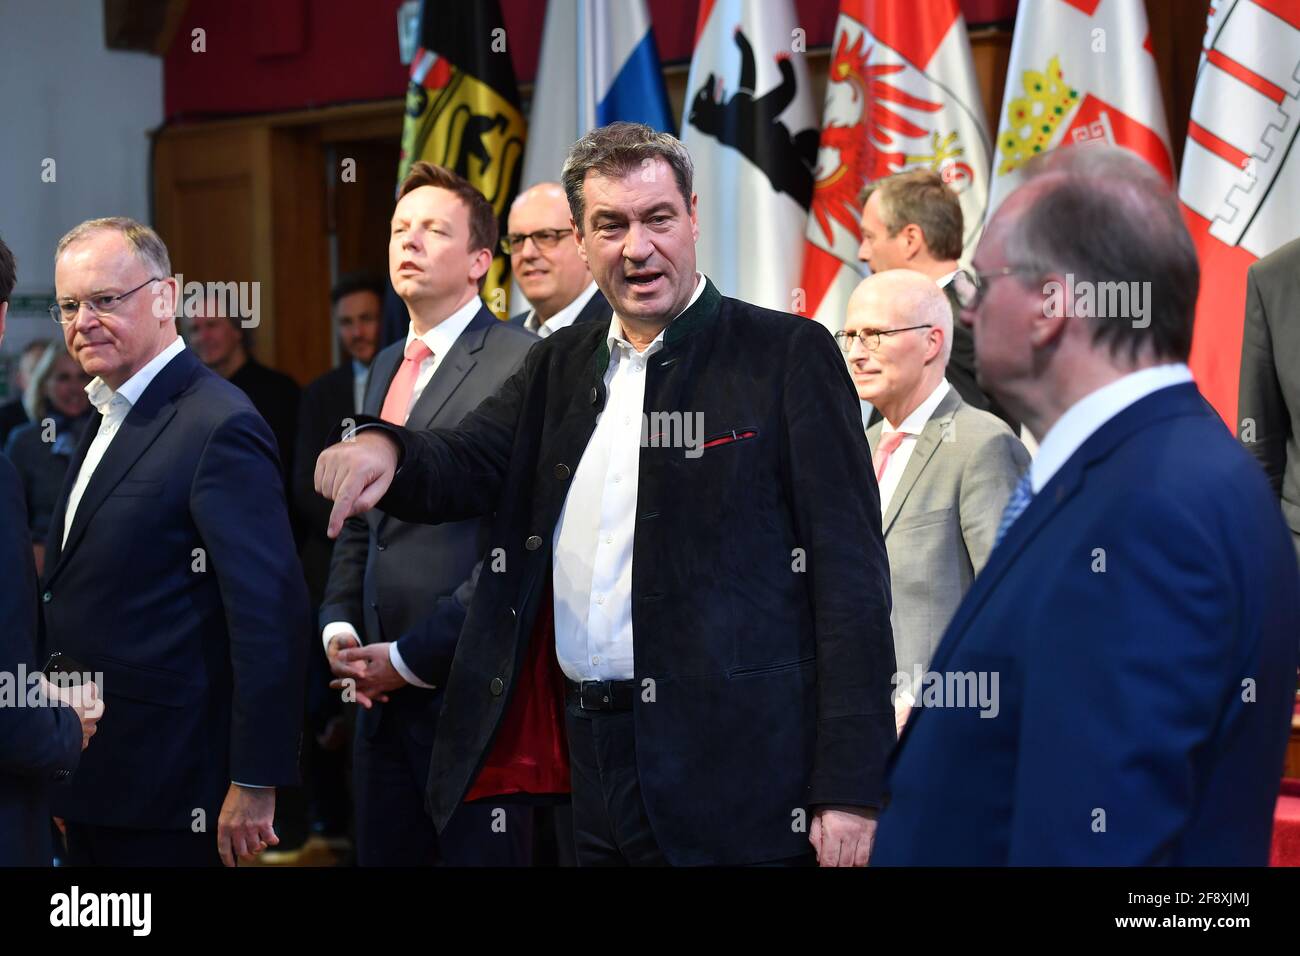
(463, 112)
(901, 94)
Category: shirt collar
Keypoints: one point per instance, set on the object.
(1082, 419)
(443, 336)
(914, 423)
(359, 369)
(615, 336)
(565, 317)
(942, 281)
(101, 395)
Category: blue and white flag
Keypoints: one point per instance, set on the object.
(598, 65)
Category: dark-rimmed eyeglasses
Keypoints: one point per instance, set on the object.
(870, 338)
(66, 311)
(544, 239)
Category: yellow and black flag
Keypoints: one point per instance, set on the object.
(462, 112)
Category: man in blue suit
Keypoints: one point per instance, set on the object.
(1116, 687)
(170, 568)
(40, 744)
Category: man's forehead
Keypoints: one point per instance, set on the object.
(432, 201)
(647, 185)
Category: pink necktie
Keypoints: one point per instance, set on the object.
(397, 403)
(886, 448)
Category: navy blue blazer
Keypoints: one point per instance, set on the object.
(180, 584)
(36, 743)
(1142, 618)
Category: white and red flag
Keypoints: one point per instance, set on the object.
(1240, 182)
(1081, 72)
(901, 94)
(751, 131)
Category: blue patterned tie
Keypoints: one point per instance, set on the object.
(1020, 498)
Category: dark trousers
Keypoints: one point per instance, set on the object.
(92, 845)
(610, 826)
(390, 773)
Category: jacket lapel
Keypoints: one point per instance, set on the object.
(142, 425)
(927, 443)
(451, 371)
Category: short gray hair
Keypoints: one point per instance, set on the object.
(147, 245)
(618, 149)
(1105, 215)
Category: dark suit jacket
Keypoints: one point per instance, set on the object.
(1270, 375)
(760, 588)
(275, 396)
(326, 402)
(1141, 616)
(36, 743)
(180, 584)
(597, 309)
(12, 414)
(411, 583)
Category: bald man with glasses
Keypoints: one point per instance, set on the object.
(945, 469)
(546, 261)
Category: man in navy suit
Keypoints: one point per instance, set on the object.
(406, 586)
(170, 568)
(40, 744)
(547, 264)
(1117, 686)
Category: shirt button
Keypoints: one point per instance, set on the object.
(609, 539)
(618, 478)
(600, 599)
(595, 660)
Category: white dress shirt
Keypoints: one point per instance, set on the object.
(943, 280)
(565, 317)
(113, 407)
(911, 428)
(439, 339)
(360, 375)
(1087, 415)
(592, 545)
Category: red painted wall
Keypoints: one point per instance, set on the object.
(273, 55)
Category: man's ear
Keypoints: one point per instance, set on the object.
(482, 263)
(4, 311)
(1056, 310)
(577, 238)
(913, 239)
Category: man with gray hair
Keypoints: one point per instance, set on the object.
(1137, 618)
(173, 518)
(664, 528)
(945, 469)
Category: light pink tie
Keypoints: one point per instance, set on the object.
(886, 448)
(397, 403)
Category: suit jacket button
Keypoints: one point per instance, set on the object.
(562, 472)
(381, 545)
(533, 543)
(497, 686)
(47, 597)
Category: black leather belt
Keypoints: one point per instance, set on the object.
(602, 694)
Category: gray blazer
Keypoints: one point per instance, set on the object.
(941, 521)
(1268, 403)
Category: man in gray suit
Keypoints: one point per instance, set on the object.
(945, 469)
(406, 586)
(1268, 402)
